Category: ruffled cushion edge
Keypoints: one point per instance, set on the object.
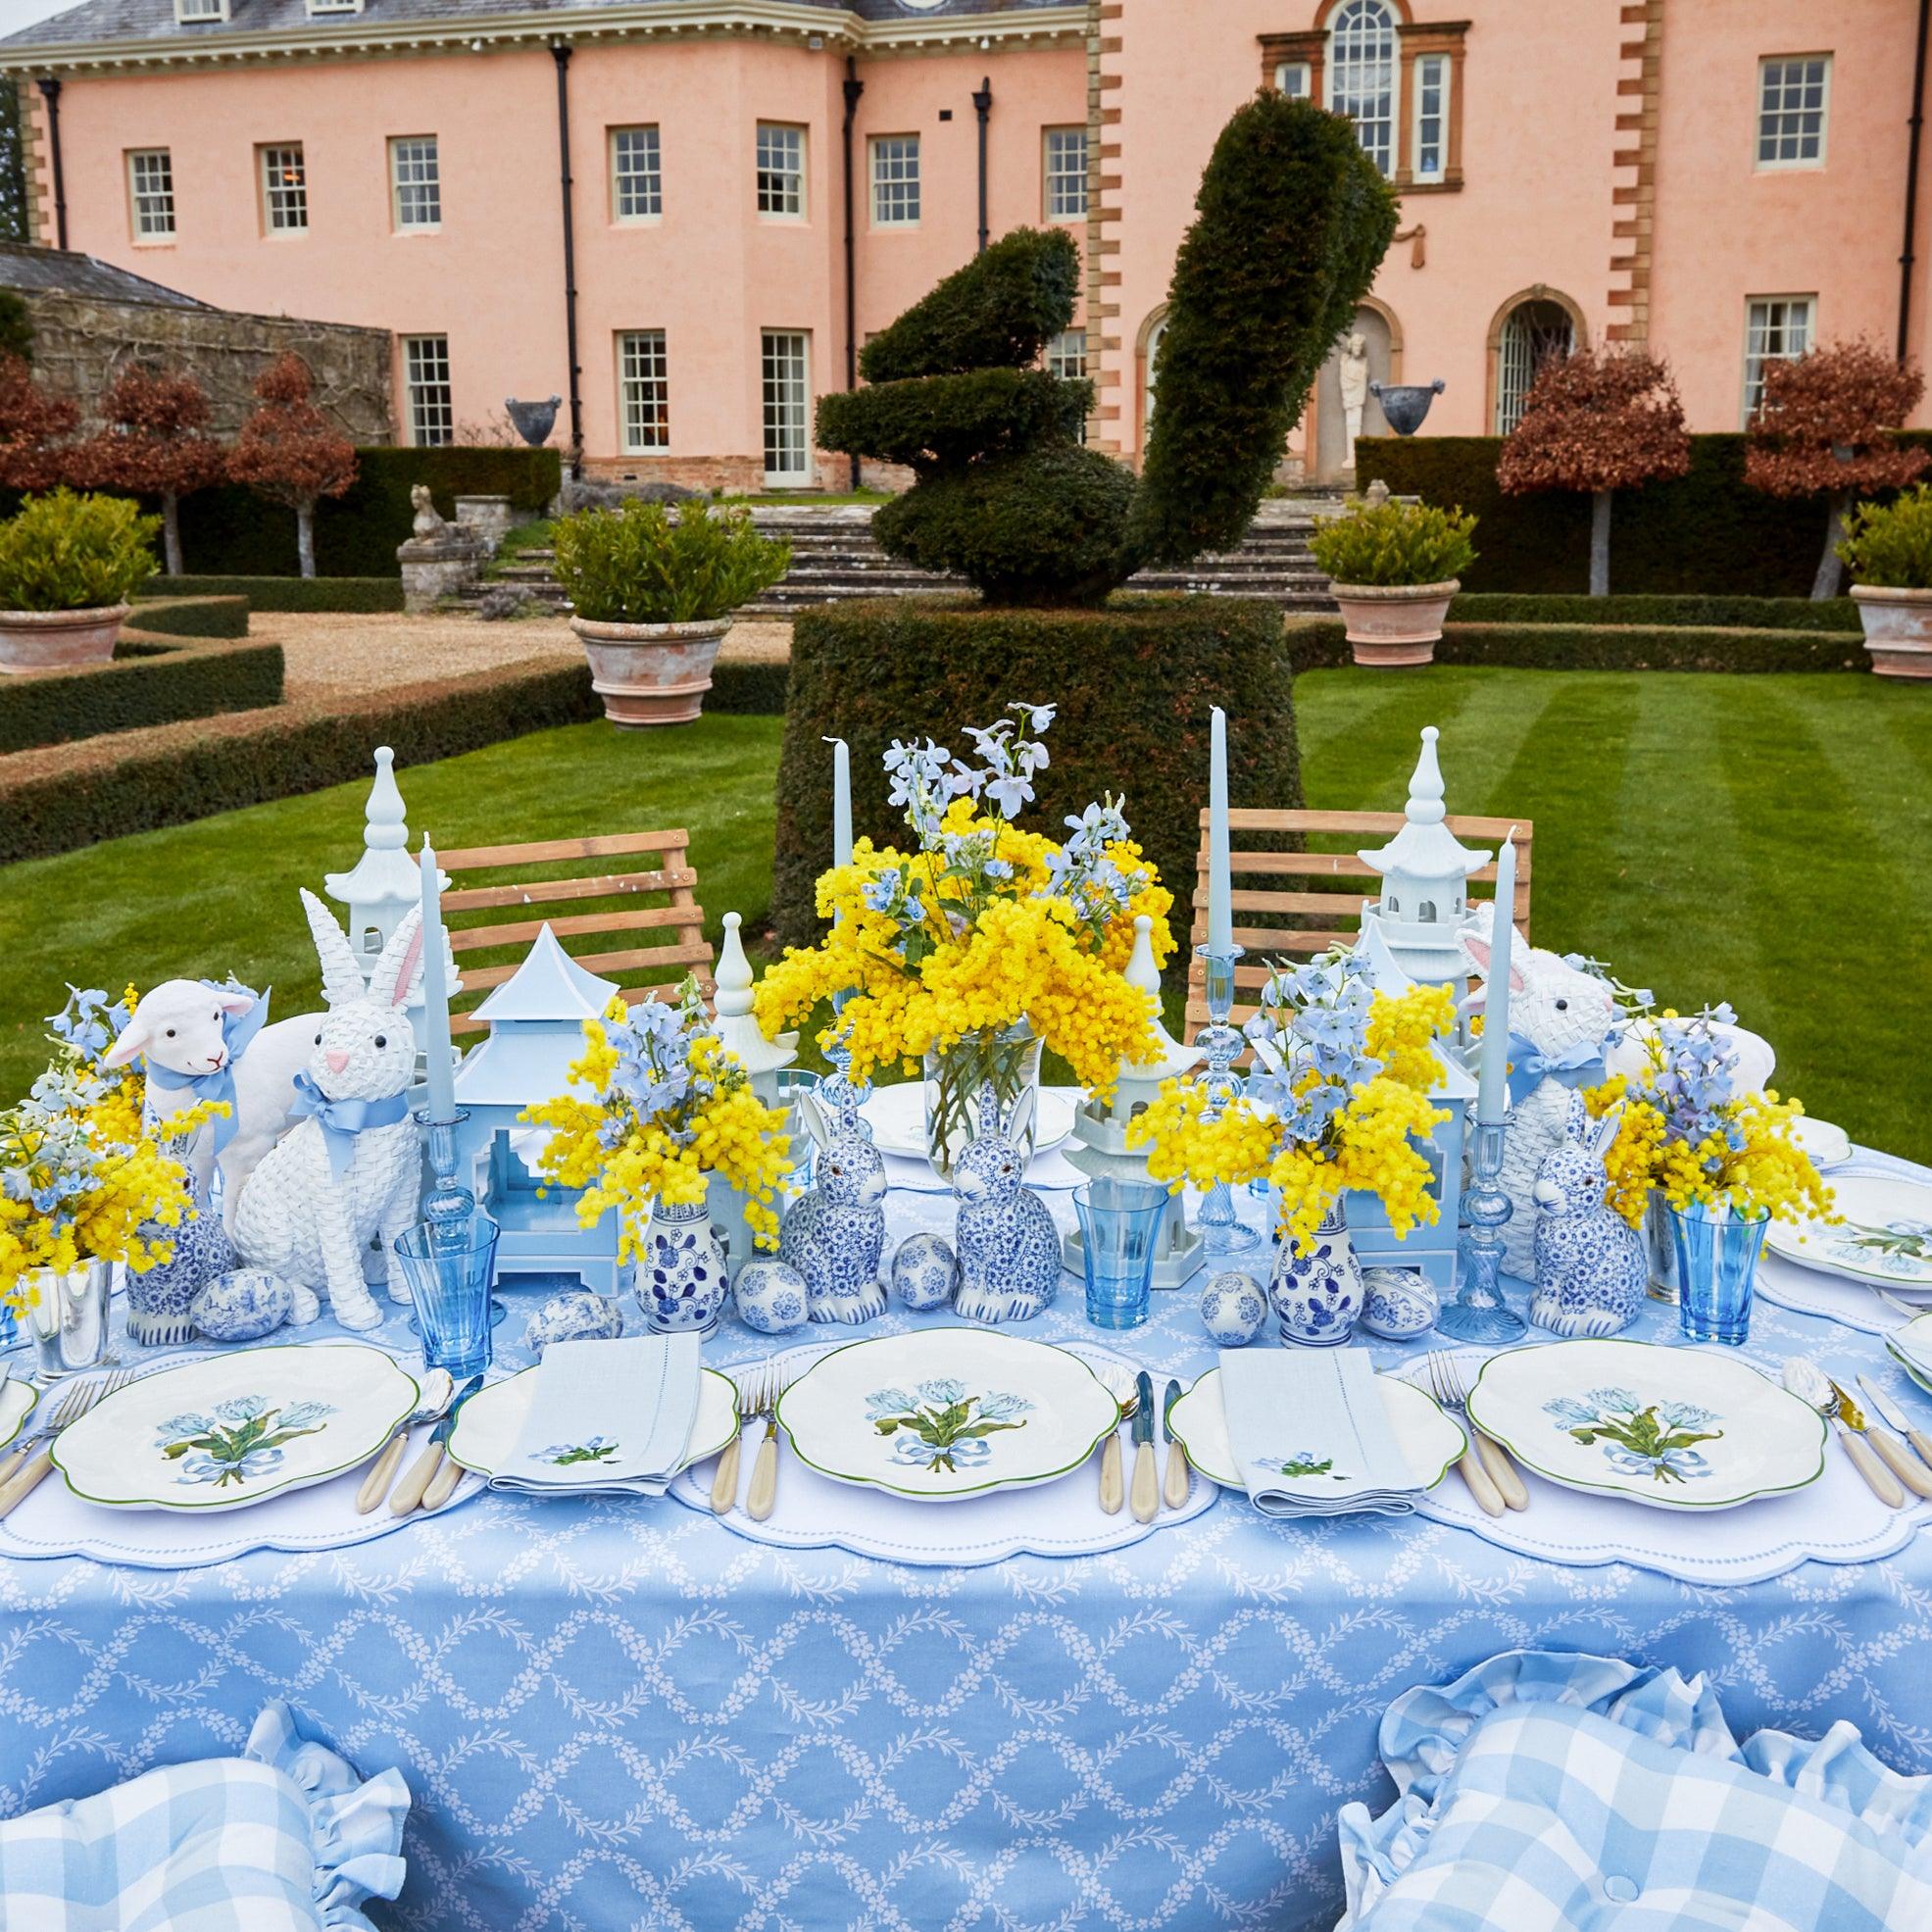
(355, 1823)
(1426, 1728)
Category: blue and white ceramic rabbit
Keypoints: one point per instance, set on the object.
(1007, 1246)
(1590, 1268)
(834, 1233)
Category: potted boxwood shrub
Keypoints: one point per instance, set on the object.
(68, 566)
(1395, 566)
(652, 595)
(1888, 549)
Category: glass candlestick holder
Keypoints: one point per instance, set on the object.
(1222, 1233)
(449, 1208)
(1479, 1313)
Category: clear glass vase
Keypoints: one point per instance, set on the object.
(1006, 1060)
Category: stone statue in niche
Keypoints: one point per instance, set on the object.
(1351, 369)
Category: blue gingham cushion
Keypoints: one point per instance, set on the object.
(286, 1838)
(1554, 1793)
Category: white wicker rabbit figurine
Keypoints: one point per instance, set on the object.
(1565, 1016)
(835, 1233)
(1007, 1246)
(1590, 1267)
(351, 1169)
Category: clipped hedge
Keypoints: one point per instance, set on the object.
(1134, 681)
(1706, 612)
(1320, 643)
(188, 617)
(150, 681)
(355, 594)
(1704, 534)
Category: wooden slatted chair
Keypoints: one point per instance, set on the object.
(1309, 897)
(652, 910)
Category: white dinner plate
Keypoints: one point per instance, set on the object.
(947, 1413)
(226, 1431)
(1826, 1143)
(489, 1424)
(1429, 1440)
(1883, 1236)
(1672, 1428)
(16, 1400)
(1910, 1347)
(897, 1119)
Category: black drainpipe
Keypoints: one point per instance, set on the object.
(1916, 123)
(854, 88)
(50, 91)
(560, 52)
(982, 106)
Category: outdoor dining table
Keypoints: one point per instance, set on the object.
(617, 1713)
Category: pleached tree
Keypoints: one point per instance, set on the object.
(291, 452)
(153, 445)
(34, 429)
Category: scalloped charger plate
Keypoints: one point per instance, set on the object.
(16, 1400)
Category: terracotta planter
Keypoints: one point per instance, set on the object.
(1396, 623)
(59, 640)
(1897, 629)
(651, 673)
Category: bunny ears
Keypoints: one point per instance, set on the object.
(397, 971)
(1595, 1136)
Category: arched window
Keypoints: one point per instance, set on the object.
(1152, 357)
(1361, 76)
(1532, 332)
(1426, 911)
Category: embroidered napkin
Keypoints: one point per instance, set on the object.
(607, 1417)
(1309, 1434)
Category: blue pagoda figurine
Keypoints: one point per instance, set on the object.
(536, 1021)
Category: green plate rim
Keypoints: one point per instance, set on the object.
(1844, 1271)
(954, 1495)
(238, 1503)
(35, 1392)
(1663, 1502)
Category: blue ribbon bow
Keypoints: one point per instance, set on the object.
(342, 1121)
(1578, 1066)
(238, 1031)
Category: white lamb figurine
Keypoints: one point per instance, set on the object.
(182, 1028)
(349, 1168)
(1564, 1015)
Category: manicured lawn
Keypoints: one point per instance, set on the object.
(1766, 840)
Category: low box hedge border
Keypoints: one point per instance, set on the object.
(150, 680)
(1321, 643)
(188, 617)
(362, 595)
(56, 802)
(1706, 612)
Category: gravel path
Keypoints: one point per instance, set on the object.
(330, 654)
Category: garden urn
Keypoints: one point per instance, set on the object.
(1898, 628)
(651, 673)
(59, 640)
(1392, 625)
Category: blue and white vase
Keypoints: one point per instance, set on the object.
(682, 1280)
(160, 1299)
(1318, 1297)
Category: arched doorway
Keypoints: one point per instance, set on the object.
(1381, 343)
(1528, 328)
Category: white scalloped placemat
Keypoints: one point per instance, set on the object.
(1836, 1520)
(1054, 1519)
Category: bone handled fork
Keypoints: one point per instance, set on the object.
(1485, 1465)
(751, 1403)
(34, 1462)
(763, 1496)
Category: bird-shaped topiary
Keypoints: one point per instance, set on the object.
(1292, 221)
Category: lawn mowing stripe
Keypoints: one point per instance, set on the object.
(1364, 741)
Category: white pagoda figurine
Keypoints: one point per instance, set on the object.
(1425, 870)
(1099, 1143)
(763, 1060)
(536, 1021)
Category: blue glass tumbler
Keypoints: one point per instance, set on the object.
(449, 1269)
(1716, 1251)
(1121, 1223)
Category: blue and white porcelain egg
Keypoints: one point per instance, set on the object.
(771, 1297)
(925, 1272)
(1233, 1306)
(578, 1314)
(242, 1305)
(1398, 1303)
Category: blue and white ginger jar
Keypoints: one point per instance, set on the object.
(242, 1305)
(577, 1315)
(1233, 1306)
(770, 1296)
(682, 1280)
(160, 1300)
(1398, 1302)
(1318, 1297)
(925, 1273)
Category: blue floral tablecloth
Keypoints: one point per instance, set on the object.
(622, 1715)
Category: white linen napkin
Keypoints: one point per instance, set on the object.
(1309, 1434)
(607, 1417)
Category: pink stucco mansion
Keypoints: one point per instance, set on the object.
(706, 204)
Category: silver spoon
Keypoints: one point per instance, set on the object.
(438, 1388)
(1809, 1383)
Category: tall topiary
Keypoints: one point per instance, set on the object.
(154, 445)
(1293, 219)
(291, 452)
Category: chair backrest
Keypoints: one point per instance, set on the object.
(1318, 902)
(652, 908)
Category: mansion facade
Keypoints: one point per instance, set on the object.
(685, 215)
